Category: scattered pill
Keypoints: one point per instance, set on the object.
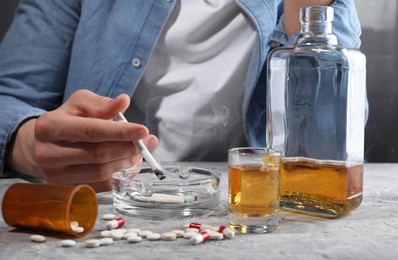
(192, 230)
(68, 243)
(106, 241)
(77, 229)
(169, 236)
(115, 223)
(198, 226)
(134, 230)
(127, 234)
(134, 239)
(178, 232)
(105, 233)
(116, 234)
(190, 234)
(92, 243)
(226, 231)
(153, 236)
(144, 233)
(73, 224)
(214, 235)
(38, 238)
(200, 238)
(108, 216)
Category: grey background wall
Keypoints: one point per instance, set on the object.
(380, 27)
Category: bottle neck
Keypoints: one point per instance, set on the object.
(317, 33)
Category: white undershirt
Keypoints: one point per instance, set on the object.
(191, 93)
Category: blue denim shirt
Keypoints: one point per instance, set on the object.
(54, 48)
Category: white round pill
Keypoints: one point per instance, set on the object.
(38, 238)
(116, 234)
(153, 236)
(77, 229)
(68, 243)
(178, 232)
(105, 233)
(74, 224)
(127, 234)
(192, 230)
(134, 239)
(169, 236)
(92, 243)
(214, 235)
(189, 234)
(134, 230)
(144, 233)
(108, 216)
(106, 241)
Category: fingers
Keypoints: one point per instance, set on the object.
(54, 127)
(76, 153)
(89, 173)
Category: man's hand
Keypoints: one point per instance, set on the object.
(78, 143)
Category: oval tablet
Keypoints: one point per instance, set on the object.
(189, 234)
(106, 241)
(68, 243)
(108, 216)
(169, 236)
(153, 236)
(144, 233)
(134, 239)
(38, 238)
(178, 232)
(92, 243)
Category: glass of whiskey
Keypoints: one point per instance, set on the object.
(253, 192)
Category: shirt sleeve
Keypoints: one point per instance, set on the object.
(346, 27)
(34, 60)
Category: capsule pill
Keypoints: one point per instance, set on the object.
(203, 236)
(198, 226)
(226, 231)
(115, 223)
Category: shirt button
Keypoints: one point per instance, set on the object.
(136, 63)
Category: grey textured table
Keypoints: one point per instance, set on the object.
(370, 232)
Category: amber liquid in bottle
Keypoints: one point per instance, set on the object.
(334, 190)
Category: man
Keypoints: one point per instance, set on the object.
(194, 71)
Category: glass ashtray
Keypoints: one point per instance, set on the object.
(194, 192)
